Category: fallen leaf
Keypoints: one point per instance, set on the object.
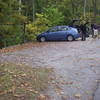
(22, 85)
(78, 95)
(78, 87)
(93, 65)
(98, 81)
(16, 95)
(64, 97)
(36, 92)
(1, 65)
(42, 97)
(31, 90)
(90, 98)
(26, 84)
(61, 92)
(15, 75)
(94, 70)
(52, 78)
(58, 87)
(67, 83)
(23, 75)
(58, 91)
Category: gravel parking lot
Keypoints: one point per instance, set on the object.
(76, 65)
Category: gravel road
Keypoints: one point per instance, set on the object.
(76, 65)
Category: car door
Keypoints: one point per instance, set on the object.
(52, 34)
(62, 32)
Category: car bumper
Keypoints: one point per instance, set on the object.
(76, 36)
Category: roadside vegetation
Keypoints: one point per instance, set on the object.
(20, 82)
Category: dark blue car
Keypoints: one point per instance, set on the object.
(59, 33)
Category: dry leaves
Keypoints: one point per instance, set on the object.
(64, 97)
(23, 81)
(32, 90)
(66, 83)
(42, 97)
(21, 46)
(78, 95)
(90, 98)
(21, 95)
(59, 91)
(98, 81)
(93, 65)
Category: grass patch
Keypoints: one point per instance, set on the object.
(20, 82)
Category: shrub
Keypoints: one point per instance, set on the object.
(39, 25)
(10, 35)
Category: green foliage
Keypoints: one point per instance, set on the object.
(10, 34)
(98, 19)
(9, 14)
(54, 16)
(38, 26)
(19, 19)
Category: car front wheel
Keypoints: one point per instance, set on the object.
(42, 39)
(70, 38)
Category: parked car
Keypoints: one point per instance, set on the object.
(59, 33)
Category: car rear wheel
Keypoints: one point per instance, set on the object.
(70, 38)
(42, 39)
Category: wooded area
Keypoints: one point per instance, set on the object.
(39, 15)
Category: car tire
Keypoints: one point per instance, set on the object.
(70, 38)
(42, 39)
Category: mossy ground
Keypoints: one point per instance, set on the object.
(20, 82)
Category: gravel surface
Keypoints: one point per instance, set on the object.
(76, 65)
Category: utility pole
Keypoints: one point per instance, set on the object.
(84, 9)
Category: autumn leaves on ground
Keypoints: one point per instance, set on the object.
(50, 71)
(19, 82)
(20, 47)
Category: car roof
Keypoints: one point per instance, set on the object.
(59, 26)
(62, 26)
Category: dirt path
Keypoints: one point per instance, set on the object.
(76, 64)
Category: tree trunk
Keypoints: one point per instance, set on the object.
(73, 7)
(20, 2)
(95, 10)
(33, 10)
(85, 3)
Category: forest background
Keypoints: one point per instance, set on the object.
(22, 20)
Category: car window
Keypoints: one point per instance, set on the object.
(53, 29)
(63, 29)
